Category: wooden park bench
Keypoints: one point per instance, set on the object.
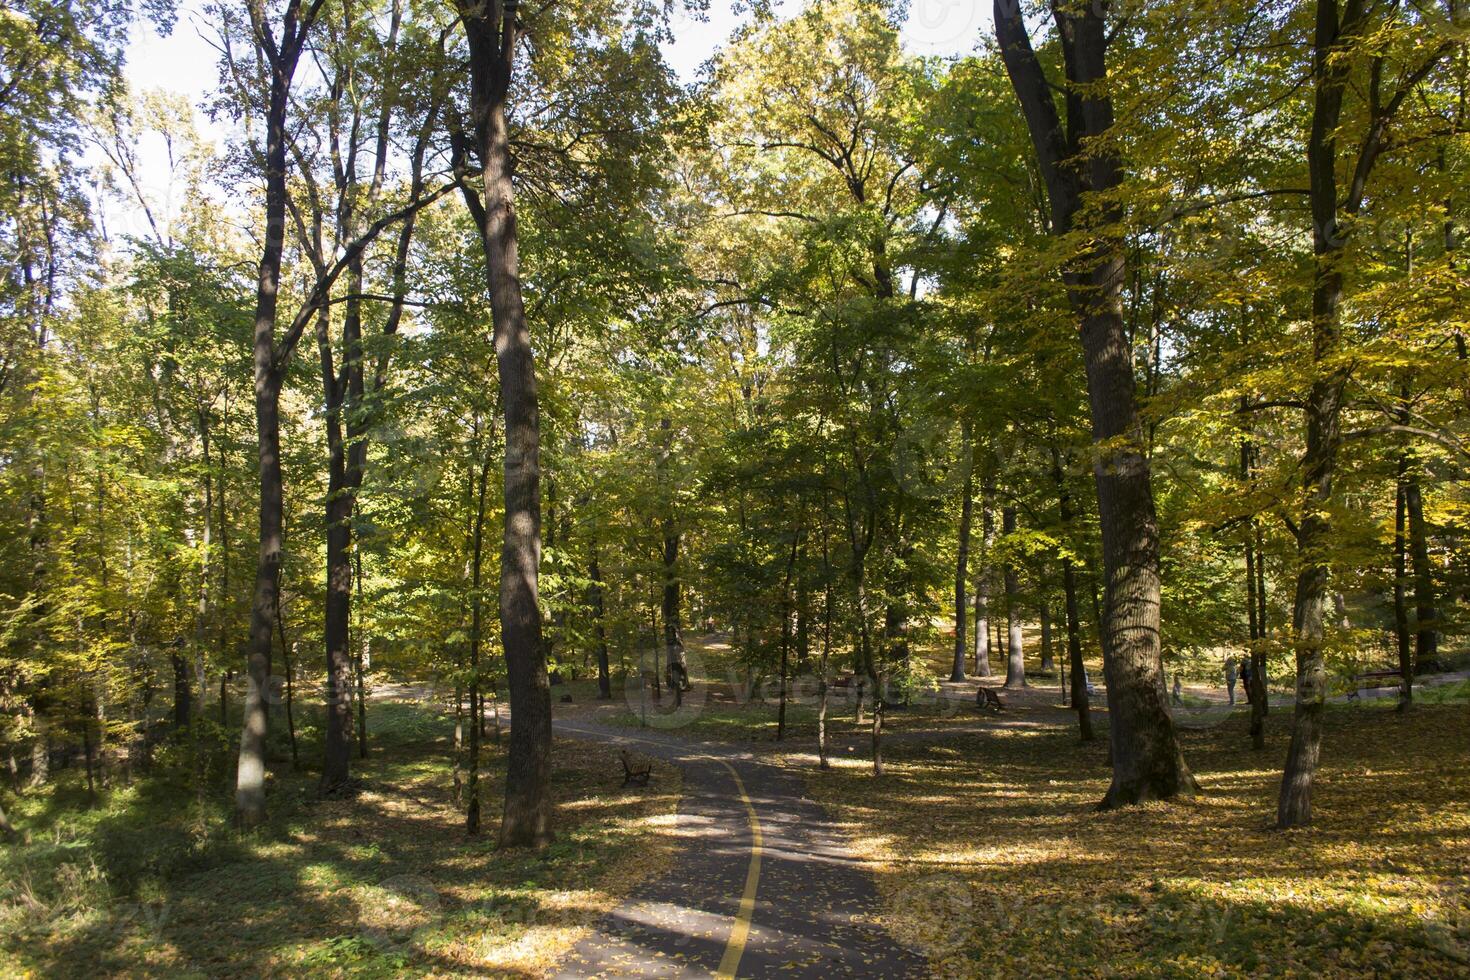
(1372, 675)
(633, 774)
(988, 700)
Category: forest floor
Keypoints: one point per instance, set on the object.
(151, 882)
(979, 849)
(991, 858)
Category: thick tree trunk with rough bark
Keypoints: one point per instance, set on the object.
(1147, 761)
(492, 31)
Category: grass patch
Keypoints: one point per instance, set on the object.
(151, 881)
(991, 859)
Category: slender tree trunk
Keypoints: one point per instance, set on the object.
(1258, 658)
(1426, 635)
(477, 710)
(40, 750)
(1323, 409)
(362, 652)
(1400, 603)
(201, 626)
(982, 581)
(595, 592)
(962, 564)
(223, 638)
(787, 609)
(822, 695)
(670, 607)
(491, 30)
(1015, 654)
(182, 694)
(337, 743)
(1080, 702)
(287, 655)
(1255, 651)
(803, 616)
(459, 766)
(879, 682)
(1048, 661)
(785, 649)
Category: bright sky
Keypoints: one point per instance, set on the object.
(184, 63)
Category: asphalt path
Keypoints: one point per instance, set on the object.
(762, 885)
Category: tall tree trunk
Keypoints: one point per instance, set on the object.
(250, 772)
(1426, 635)
(491, 30)
(1048, 661)
(1400, 602)
(982, 580)
(1323, 408)
(201, 623)
(822, 680)
(670, 606)
(477, 711)
(1255, 650)
(1146, 758)
(288, 656)
(1080, 702)
(281, 56)
(337, 743)
(1015, 653)
(962, 562)
(182, 693)
(803, 615)
(1258, 659)
(787, 609)
(361, 656)
(595, 593)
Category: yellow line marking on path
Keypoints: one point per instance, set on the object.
(740, 929)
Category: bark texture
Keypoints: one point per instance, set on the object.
(1075, 160)
(491, 29)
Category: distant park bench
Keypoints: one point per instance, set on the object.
(633, 774)
(1373, 675)
(988, 700)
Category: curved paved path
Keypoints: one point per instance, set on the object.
(762, 886)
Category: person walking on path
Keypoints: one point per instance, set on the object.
(1230, 676)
